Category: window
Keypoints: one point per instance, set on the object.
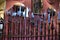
(19, 12)
(25, 13)
(22, 8)
(1, 23)
(9, 28)
(16, 8)
(1, 26)
(37, 5)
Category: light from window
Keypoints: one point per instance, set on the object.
(32, 15)
(19, 13)
(1, 26)
(24, 14)
(14, 14)
(27, 11)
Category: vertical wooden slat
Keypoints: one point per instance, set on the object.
(34, 33)
(20, 27)
(13, 27)
(47, 26)
(55, 29)
(4, 31)
(19, 38)
(52, 32)
(6, 27)
(48, 31)
(44, 31)
(28, 28)
(30, 31)
(25, 26)
(36, 28)
(39, 29)
(59, 31)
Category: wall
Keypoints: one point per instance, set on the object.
(46, 5)
(22, 23)
(10, 3)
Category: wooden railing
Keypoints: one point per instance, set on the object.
(19, 28)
